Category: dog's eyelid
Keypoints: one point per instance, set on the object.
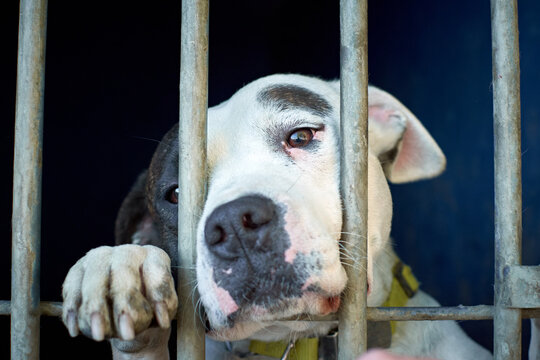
(317, 126)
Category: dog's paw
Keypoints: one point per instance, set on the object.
(116, 292)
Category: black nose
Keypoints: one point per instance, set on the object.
(242, 225)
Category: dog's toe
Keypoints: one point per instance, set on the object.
(93, 314)
(159, 285)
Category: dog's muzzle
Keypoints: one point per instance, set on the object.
(247, 242)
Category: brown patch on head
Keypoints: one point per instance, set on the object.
(289, 97)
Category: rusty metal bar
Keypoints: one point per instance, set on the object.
(26, 217)
(354, 150)
(192, 170)
(46, 308)
(477, 312)
(507, 131)
(521, 287)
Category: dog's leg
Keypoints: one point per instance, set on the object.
(117, 292)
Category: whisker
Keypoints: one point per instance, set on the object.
(294, 183)
(350, 234)
(145, 138)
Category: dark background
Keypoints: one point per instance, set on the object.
(112, 89)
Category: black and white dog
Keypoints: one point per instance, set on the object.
(269, 237)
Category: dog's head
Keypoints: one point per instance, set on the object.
(269, 237)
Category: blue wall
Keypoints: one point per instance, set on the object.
(111, 83)
(439, 52)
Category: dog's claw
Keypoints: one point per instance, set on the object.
(73, 327)
(126, 328)
(162, 315)
(98, 326)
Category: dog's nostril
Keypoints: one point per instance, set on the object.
(217, 236)
(255, 220)
(247, 222)
(221, 232)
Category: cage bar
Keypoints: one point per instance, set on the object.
(26, 217)
(191, 170)
(475, 312)
(507, 131)
(521, 287)
(354, 150)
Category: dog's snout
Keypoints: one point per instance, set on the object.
(246, 222)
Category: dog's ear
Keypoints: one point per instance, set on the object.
(134, 225)
(406, 150)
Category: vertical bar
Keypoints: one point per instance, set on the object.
(192, 169)
(26, 217)
(354, 150)
(507, 130)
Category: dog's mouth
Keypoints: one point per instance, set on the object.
(251, 319)
(259, 302)
(332, 304)
(311, 303)
(311, 306)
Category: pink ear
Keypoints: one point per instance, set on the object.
(394, 130)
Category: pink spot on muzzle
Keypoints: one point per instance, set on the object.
(225, 301)
(307, 284)
(290, 254)
(291, 228)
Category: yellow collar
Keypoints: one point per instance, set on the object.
(404, 286)
(303, 349)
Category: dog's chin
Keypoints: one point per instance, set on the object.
(273, 331)
(282, 320)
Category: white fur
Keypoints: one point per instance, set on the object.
(437, 339)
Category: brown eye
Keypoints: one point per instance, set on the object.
(300, 138)
(172, 195)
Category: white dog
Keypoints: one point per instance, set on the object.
(269, 237)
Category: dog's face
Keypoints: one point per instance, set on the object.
(269, 236)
